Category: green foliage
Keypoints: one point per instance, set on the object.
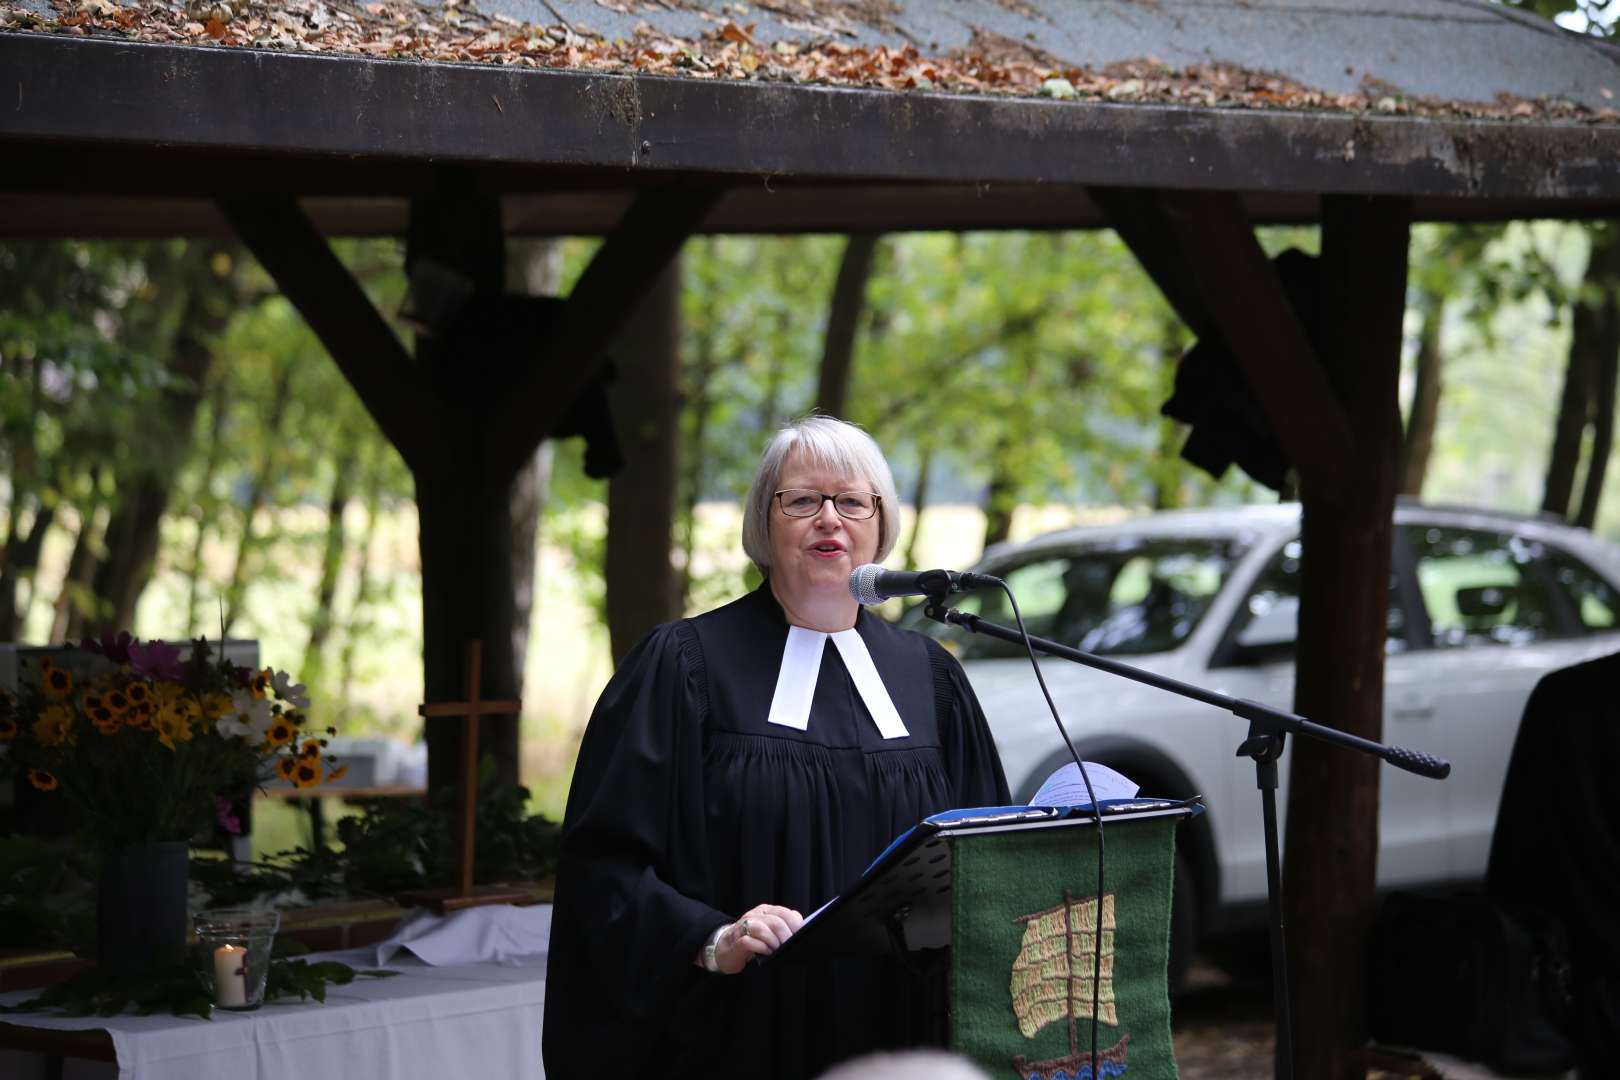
(395, 846)
(308, 979)
(44, 894)
(398, 845)
(1595, 17)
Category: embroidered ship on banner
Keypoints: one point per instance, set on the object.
(1053, 979)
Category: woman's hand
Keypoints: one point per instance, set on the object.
(760, 932)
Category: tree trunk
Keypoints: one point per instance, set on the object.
(843, 321)
(219, 404)
(248, 543)
(1001, 498)
(22, 558)
(535, 267)
(1332, 837)
(355, 625)
(132, 531)
(770, 412)
(1580, 376)
(332, 558)
(1605, 357)
(641, 585)
(697, 402)
(919, 503)
(75, 594)
(1418, 444)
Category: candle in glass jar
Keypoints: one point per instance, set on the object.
(230, 975)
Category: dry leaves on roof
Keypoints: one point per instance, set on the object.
(457, 31)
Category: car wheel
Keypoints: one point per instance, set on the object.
(1183, 923)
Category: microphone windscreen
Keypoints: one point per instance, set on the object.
(863, 584)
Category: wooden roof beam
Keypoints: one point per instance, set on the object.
(1244, 302)
(620, 275)
(303, 265)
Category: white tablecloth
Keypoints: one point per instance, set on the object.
(430, 1022)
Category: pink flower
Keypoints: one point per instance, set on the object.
(114, 647)
(227, 820)
(157, 660)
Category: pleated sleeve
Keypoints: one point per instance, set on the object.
(971, 759)
(631, 909)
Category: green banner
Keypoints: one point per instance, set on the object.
(1027, 933)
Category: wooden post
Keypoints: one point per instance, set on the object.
(1331, 846)
(464, 894)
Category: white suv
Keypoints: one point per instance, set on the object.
(1481, 606)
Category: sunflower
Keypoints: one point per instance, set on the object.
(42, 780)
(58, 683)
(306, 772)
(139, 694)
(8, 729)
(337, 774)
(285, 767)
(215, 706)
(261, 683)
(281, 732)
(168, 726)
(54, 726)
(90, 701)
(311, 749)
(117, 701)
(104, 720)
(139, 717)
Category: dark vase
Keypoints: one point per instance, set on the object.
(141, 907)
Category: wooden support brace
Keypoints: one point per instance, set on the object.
(619, 277)
(1246, 305)
(1140, 220)
(295, 254)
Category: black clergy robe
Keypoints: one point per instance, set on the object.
(688, 808)
(1556, 847)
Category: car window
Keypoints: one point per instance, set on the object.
(1481, 587)
(1266, 625)
(1128, 598)
(1593, 601)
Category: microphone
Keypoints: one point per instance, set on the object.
(871, 584)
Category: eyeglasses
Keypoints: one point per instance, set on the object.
(806, 502)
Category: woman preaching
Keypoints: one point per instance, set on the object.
(742, 767)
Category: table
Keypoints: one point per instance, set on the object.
(427, 1023)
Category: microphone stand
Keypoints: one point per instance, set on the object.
(1268, 728)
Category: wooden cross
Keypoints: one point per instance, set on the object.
(463, 894)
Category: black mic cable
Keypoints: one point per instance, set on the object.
(1096, 954)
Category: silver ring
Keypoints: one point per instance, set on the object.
(744, 925)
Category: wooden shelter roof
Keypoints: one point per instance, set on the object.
(835, 115)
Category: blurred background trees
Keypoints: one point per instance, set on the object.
(180, 457)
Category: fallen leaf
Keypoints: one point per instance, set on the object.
(215, 28)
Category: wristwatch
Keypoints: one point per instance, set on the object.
(710, 962)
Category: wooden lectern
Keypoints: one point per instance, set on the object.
(1035, 952)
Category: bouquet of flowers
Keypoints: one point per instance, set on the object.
(150, 744)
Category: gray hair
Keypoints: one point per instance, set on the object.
(907, 1065)
(831, 444)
